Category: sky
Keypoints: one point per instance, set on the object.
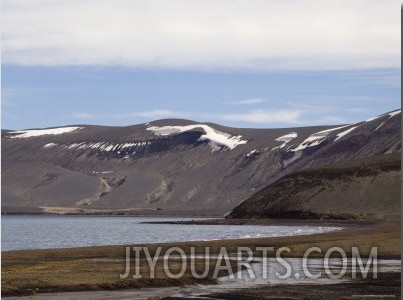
(240, 63)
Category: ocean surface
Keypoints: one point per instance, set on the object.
(51, 231)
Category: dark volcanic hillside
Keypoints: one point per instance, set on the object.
(363, 189)
(171, 165)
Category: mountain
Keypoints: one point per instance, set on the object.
(172, 166)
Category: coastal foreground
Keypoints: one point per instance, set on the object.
(96, 271)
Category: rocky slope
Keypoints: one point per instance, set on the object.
(364, 189)
(171, 166)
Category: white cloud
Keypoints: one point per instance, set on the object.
(81, 115)
(208, 34)
(248, 101)
(326, 120)
(157, 113)
(285, 116)
(265, 116)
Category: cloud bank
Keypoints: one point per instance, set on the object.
(262, 116)
(248, 101)
(153, 114)
(265, 116)
(209, 34)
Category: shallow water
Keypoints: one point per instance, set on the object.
(50, 231)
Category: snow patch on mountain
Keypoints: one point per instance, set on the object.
(215, 137)
(285, 139)
(50, 145)
(394, 113)
(316, 138)
(40, 132)
(344, 133)
(253, 152)
(391, 115)
(374, 118)
(379, 126)
(101, 146)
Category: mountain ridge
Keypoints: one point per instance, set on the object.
(169, 167)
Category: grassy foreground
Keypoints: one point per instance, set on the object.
(98, 268)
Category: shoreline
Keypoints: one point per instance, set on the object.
(127, 212)
(25, 272)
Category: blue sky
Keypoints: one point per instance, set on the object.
(238, 63)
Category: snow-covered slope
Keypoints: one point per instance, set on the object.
(215, 137)
(285, 139)
(41, 132)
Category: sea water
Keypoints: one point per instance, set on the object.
(62, 231)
